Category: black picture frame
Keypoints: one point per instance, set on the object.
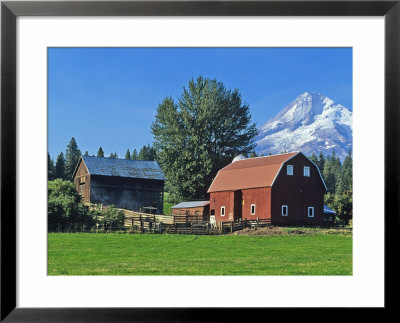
(10, 10)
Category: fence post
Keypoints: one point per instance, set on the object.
(191, 227)
(231, 226)
(208, 227)
(141, 223)
(257, 223)
(187, 219)
(245, 222)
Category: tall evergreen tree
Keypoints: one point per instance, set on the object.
(321, 161)
(60, 166)
(113, 155)
(134, 155)
(199, 135)
(71, 158)
(86, 153)
(51, 170)
(143, 154)
(128, 154)
(100, 152)
(315, 160)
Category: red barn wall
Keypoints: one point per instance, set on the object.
(298, 192)
(202, 210)
(261, 197)
(83, 189)
(217, 200)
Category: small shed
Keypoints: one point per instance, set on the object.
(195, 208)
(127, 184)
(329, 214)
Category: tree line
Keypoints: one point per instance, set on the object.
(338, 178)
(198, 134)
(65, 163)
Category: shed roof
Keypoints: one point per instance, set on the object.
(122, 167)
(328, 210)
(190, 204)
(249, 173)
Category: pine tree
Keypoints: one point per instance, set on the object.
(134, 155)
(315, 160)
(71, 158)
(51, 170)
(100, 152)
(199, 135)
(86, 153)
(128, 154)
(321, 161)
(113, 155)
(253, 154)
(60, 166)
(143, 153)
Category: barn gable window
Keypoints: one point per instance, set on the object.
(289, 169)
(311, 212)
(253, 209)
(307, 171)
(82, 180)
(285, 210)
(222, 210)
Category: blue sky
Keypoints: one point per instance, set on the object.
(108, 97)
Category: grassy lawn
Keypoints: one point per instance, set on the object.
(148, 254)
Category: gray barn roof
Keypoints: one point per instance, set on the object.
(190, 204)
(123, 167)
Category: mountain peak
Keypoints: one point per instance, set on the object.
(310, 123)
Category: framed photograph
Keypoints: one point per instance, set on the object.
(91, 74)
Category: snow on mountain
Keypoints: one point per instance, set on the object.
(311, 123)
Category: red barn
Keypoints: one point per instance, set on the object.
(286, 188)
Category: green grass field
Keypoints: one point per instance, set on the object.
(149, 254)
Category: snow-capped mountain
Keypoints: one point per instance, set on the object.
(311, 123)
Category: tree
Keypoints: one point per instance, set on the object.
(64, 205)
(100, 152)
(72, 156)
(86, 153)
(113, 217)
(51, 170)
(143, 154)
(113, 155)
(314, 159)
(199, 135)
(331, 172)
(147, 153)
(128, 154)
(134, 155)
(253, 154)
(60, 166)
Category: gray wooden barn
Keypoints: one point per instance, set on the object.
(128, 184)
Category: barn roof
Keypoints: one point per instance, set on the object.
(250, 173)
(122, 167)
(190, 204)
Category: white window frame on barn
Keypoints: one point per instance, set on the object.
(308, 212)
(287, 210)
(289, 170)
(253, 212)
(222, 210)
(306, 171)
